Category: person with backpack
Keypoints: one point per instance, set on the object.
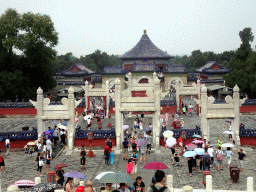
(206, 161)
(219, 155)
(229, 154)
(138, 185)
(159, 186)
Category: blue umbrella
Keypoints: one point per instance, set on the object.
(74, 175)
(64, 123)
(189, 154)
(199, 151)
(116, 178)
(148, 129)
(197, 136)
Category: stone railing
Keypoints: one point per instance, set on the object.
(97, 134)
(189, 132)
(19, 135)
(16, 105)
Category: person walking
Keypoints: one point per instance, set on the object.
(206, 161)
(149, 142)
(210, 152)
(31, 151)
(68, 185)
(2, 164)
(125, 146)
(134, 158)
(129, 167)
(229, 154)
(7, 146)
(111, 156)
(48, 160)
(49, 145)
(60, 176)
(160, 183)
(190, 165)
(219, 156)
(142, 154)
(230, 139)
(39, 164)
(241, 157)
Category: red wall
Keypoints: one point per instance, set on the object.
(248, 141)
(94, 142)
(18, 111)
(16, 144)
(139, 94)
(248, 108)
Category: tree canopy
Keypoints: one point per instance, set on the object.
(34, 35)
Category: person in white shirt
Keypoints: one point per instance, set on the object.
(210, 152)
(44, 150)
(7, 146)
(49, 145)
(123, 188)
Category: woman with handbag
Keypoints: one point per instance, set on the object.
(48, 160)
(40, 164)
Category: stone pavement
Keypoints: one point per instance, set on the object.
(21, 166)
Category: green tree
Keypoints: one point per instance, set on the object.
(34, 35)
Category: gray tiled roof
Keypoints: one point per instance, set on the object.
(145, 49)
(80, 69)
(208, 68)
(144, 67)
(175, 69)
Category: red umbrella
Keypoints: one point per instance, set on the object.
(155, 166)
(60, 166)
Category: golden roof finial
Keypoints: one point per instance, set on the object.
(145, 31)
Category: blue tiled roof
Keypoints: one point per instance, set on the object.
(113, 70)
(209, 68)
(212, 81)
(145, 49)
(175, 69)
(137, 67)
(77, 69)
(71, 82)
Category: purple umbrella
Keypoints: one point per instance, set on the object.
(141, 142)
(148, 129)
(74, 175)
(46, 132)
(125, 127)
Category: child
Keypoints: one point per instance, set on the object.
(129, 167)
(177, 160)
(82, 161)
(26, 149)
(31, 151)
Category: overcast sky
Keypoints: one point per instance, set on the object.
(115, 26)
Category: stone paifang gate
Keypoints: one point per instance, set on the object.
(230, 109)
(89, 91)
(181, 90)
(124, 102)
(66, 112)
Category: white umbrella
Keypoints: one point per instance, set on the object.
(13, 188)
(168, 134)
(228, 132)
(31, 143)
(227, 145)
(63, 127)
(102, 174)
(87, 117)
(170, 142)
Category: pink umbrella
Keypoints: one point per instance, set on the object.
(155, 166)
(76, 119)
(191, 147)
(170, 142)
(22, 183)
(125, 127)
(197, 141)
